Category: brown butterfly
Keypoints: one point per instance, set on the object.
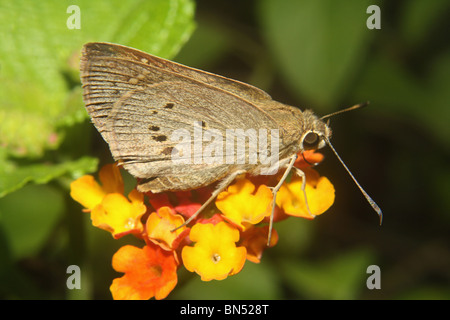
(140, 102)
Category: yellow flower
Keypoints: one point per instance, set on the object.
(319, 193)
(242, 206)
(216, 247)
(119, 215)
(110, 209)
(215, 255)
(89, 193)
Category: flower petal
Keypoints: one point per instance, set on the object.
(241, 206)
(185, 205)
(159, 200)
(149, 272)
(118, 215)
(255, 241)
(319, 192)
(215, 255)
(111, 178)
(87, 192)
(308, 158)
(159, 228)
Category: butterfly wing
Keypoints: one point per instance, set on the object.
(139, 102)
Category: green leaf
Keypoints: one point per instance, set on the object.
(40, 95)
(339, 278)
(13, 177)
(295, 235)
(27, 220)
(391, 87)
(318, 45)
(419, 17)
(38, 52)
(427, 292)
(213, 41)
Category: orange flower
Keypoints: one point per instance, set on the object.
(160, 225)
(218, 243)
(243, 208)
(183, 201)
(149, 272)
(215, 255)
(308, 158)
(111, 178)
(255, 241)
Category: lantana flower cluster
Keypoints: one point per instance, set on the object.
(215, 245)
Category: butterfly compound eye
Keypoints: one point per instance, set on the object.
(310, 141)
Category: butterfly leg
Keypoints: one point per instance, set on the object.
(303, 176)
(222, 186)
(275, 190)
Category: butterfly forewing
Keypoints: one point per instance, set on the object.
(137, 102)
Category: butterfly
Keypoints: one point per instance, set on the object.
(150, 111)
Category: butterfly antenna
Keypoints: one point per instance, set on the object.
(356, 106)
(368, 198)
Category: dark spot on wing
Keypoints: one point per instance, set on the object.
(169, 106)
(167, 151)
(154, 128)
(160, 138)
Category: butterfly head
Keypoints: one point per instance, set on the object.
(315, 134)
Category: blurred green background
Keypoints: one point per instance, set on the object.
(316, 54)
